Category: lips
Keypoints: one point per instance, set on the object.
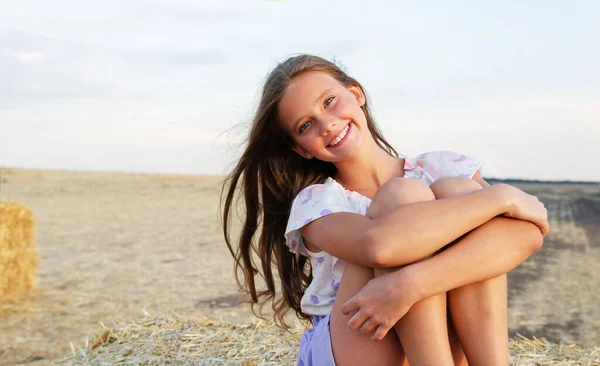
(344, 132)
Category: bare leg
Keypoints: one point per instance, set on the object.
(458, 353)
(423, 331)
(424, 327)
(483, 240)
(478, 310)
(351, 347)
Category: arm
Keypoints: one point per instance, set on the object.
(493, 254)
(423, 226)
(484, 253)
(493, 249)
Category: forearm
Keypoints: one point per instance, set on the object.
(414, 231)
(493, 249)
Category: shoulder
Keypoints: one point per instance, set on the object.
(319, 195)
(312, 203)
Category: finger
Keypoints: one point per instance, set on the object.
(541, 224)
(546, 228)
(368, 326)
(380, 333)
(357, 320)
(350, 305)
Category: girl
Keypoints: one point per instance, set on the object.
(364, 239)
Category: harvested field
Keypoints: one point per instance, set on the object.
(112, 245)
(555, 292)
(172, 340)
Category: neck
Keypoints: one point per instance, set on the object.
(369, 169)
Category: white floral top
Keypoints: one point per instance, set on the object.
(320, 200)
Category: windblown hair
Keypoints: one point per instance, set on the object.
(268, 176)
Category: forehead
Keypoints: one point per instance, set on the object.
(300, 95)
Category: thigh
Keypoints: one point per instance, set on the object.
(351, 347)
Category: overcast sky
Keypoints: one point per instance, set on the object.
(156, 86)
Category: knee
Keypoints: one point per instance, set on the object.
(454, 186)
(397, 192)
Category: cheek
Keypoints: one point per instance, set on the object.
(344, 104)
(308, 138)
(351, 106)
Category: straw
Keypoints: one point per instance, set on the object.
(176, 340)
(18, 253)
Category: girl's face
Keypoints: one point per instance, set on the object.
(323, 117)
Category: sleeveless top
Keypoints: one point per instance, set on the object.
(319, 200)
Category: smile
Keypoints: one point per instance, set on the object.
(340, 138)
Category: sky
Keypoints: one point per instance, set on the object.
(170, 86)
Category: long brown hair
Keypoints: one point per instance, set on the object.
(268, 176)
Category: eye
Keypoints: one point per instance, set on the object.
(304, 126)
(327, 104)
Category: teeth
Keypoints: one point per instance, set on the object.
(340, 137)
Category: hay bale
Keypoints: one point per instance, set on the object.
(18, 253)
(174, 340)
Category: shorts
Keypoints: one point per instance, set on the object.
(315, 345)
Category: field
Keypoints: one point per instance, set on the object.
(555, 293)
(113, 245)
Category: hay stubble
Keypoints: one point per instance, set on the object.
(112, 245)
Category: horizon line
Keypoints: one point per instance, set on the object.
(488, 178)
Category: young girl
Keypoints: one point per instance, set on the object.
(364, 239)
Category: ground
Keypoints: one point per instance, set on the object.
(112, 245)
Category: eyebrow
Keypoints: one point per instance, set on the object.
(316, 100)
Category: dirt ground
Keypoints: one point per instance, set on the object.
(113, 245)
(556, 292)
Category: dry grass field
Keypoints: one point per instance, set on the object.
(112, 246)
(556, 292)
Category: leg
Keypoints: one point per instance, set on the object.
(458, 354)
(351, 347)
(423, 331)
(355, 348)
(478, 310)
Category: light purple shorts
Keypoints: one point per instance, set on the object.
(315, 345)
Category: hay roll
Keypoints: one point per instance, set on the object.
(18, 253)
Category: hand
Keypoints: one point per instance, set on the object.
(380, 304)
(526, 207)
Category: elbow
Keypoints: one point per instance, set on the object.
(377, 259)
(537, 241)
(375, 255)
(381, 253)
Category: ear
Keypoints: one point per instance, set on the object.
(300, 150)
(358, 94)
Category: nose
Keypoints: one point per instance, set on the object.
(328, 126)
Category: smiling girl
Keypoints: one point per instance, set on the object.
(365, 239)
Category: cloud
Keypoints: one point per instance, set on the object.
(71, 72)
(171, 57)
(29, 57)
(196, 14)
